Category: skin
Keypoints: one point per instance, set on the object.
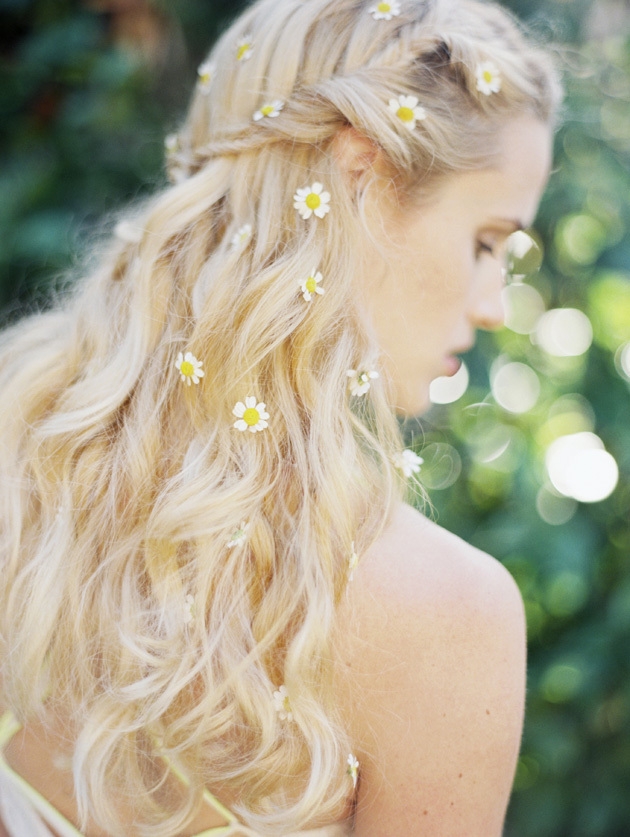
(434, 275)
(431, 644)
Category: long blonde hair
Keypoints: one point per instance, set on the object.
(123, 608)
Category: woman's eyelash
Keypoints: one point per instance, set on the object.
(482, 247)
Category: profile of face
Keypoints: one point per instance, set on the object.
(435, 272)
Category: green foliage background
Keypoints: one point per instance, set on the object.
(83, 121)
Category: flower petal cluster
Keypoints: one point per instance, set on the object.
(353, 769)
(408, 462)
(385, 11)
(189, 368)
(408, 110)
(360, 382)
(251, 415)
(282, 704)
(205, 74)
(241, 237)
(189, 609)
(127, 231)
(238, 536)
(312, 200)
(269, 110)
(311, 285)
(244, 48)
(488, 78)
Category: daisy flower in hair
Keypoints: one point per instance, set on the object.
(408, 111)
(312, 200)
(189, 609)
(269, 110)
(408, 462)
(282, 704)
(251, 415)
(311, 285)
(244, 48)
(238, 536)
(204, 76)
(128, 232)
(385, 11)
(189, 368)
(488, 78)
(242, 236)
(360, 381)
(353, 769)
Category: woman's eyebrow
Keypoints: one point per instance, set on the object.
(513, 225)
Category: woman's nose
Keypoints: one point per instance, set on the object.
(487, 311)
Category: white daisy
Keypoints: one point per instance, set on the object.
(251, 416)
(360, 381)
(269, 110)
(353, 562)
(488, 78)
(238, 536)
(205, 74)
(241, 237)
(353, 769)
(128, 232)
(189, 609)
(244, 48)
(171, 143)
(189, 368)
(385, 11)
(409, 462)
(311, 199)
(408, 110)
(282, 704)
(311, 285)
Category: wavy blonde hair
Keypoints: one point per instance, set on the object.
(120, 486)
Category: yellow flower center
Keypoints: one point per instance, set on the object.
(187, 368)
(251, 416)
(311, 285)
(384, 7)
(405, 114)
(204, 78)
(266, 110)
(487, 76)
(242, 51)
(286, 704)
(313, 201)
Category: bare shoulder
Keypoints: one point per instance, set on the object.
(431, 667)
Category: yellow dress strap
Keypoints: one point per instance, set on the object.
(9, 726)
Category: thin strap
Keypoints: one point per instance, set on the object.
(9, 726)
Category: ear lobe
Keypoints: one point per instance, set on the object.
(354, 153)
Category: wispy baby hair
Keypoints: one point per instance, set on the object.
(165, 570)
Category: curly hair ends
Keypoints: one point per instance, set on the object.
(126, 611)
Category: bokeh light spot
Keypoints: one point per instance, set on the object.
(442, 465)
(523, 255)
(564, 332)
(622, 361)
(446, 389)
(561, 682)
(515, 386)
(566, 594)
(554, 509)
(579, 467)
(581, 237)
(523, 307)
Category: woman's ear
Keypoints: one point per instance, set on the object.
(356, 155)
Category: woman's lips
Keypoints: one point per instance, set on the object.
(451, 365)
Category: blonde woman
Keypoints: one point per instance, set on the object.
(218, 616)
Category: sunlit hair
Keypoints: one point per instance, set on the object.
(120, 486)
